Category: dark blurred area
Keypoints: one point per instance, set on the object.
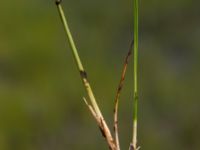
(41, 106)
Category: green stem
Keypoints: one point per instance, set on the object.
(78, 60)
(136, 14)
(96, 113)
(70, 38)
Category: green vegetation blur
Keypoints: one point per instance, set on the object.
(41, 105)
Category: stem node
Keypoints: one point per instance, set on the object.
(58, 2)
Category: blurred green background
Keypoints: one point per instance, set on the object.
(41, 106)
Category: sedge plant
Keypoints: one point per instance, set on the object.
(112, 141)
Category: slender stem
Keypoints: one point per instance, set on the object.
(78, 61)
(120, 86)
(94, 108)
(136, 13)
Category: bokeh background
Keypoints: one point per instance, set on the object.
(41, 106)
